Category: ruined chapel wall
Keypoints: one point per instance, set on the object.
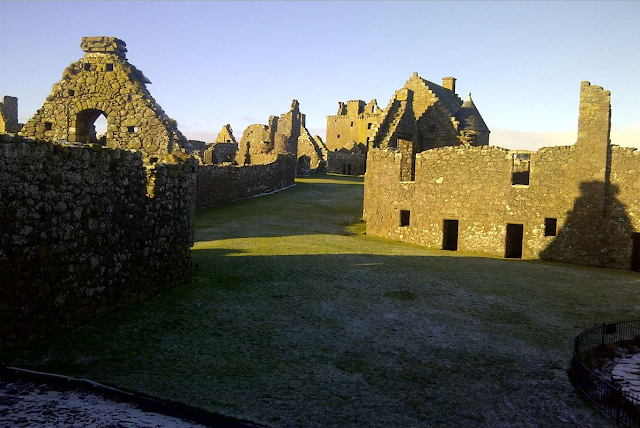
(220, 184)
(84, 230)
(105, 82)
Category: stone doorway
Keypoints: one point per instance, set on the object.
(635, 253)
(86, 122)
(450, 235)
(515, 235)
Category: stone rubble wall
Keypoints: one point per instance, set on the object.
(591, 188)
(311, 159)
(87, 229)
(105, 83)
(220, 184)
(336, 162)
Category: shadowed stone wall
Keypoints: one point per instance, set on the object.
(86, 229)
(220, 184)
(9, 115)
(590, 189)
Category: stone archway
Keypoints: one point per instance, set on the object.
(85, 127)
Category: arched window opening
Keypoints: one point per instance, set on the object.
(91, 127)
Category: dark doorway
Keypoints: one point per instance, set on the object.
(635, 253)
(344, 169)
(515, 234)
(349, 169)
(450, 235)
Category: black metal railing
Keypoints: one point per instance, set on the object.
(623, 406)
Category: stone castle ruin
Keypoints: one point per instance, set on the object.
(420, 116)
(104, 83)
(576, 204)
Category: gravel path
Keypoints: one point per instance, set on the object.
(26, 404)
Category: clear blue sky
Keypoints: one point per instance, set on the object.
(213, 63)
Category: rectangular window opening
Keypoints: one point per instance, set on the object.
(369, 125)
(520, 169)
(87, 66)
(405, 218)
(132, 129)
(450, 235)
(550, 226)
(109, 67)
(71, 92)
(351, 124)
(48, 126)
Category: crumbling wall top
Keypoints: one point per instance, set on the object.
(104, 45)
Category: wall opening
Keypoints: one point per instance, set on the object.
(405, 218)
(344, 169)
(408, 159)
(515, 235)
(351, 124)
(450, 235)
(87, 66)
(109, 67)
(48, 126)
(550, 226)
(349, 169)
(131, 129)
(369, 125)
(635, 253)
(71, 92)
(520, 169)
(91, 127)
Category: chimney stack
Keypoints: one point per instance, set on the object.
(449, 83)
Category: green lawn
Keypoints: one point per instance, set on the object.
(298, 319)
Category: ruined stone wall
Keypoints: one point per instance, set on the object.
(261, 144)
(596, 216)
(220, 153)
(9, 115)
(220, 184)
(311, 156)
(86, 229)
(105, 83)
(344, 162)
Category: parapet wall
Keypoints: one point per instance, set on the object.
(220, 184)
(86, 229)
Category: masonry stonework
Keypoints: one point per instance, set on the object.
(220, 184)
(576, 204)
(9, 115)
(84, 229)
(105, 83)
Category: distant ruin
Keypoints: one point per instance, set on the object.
(420, 116)
(576, 204)
(104, 83)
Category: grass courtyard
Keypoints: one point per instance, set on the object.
(296, 318)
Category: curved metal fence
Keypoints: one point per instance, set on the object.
(623, 406)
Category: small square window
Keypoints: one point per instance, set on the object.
(369, 125)
(48, 126)
(131, 129)
(71, 92)
(405, 218)
(109, 67)
(550, 226)
(87, 66)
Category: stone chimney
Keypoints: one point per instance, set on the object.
(104, 45)
(449, 83)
